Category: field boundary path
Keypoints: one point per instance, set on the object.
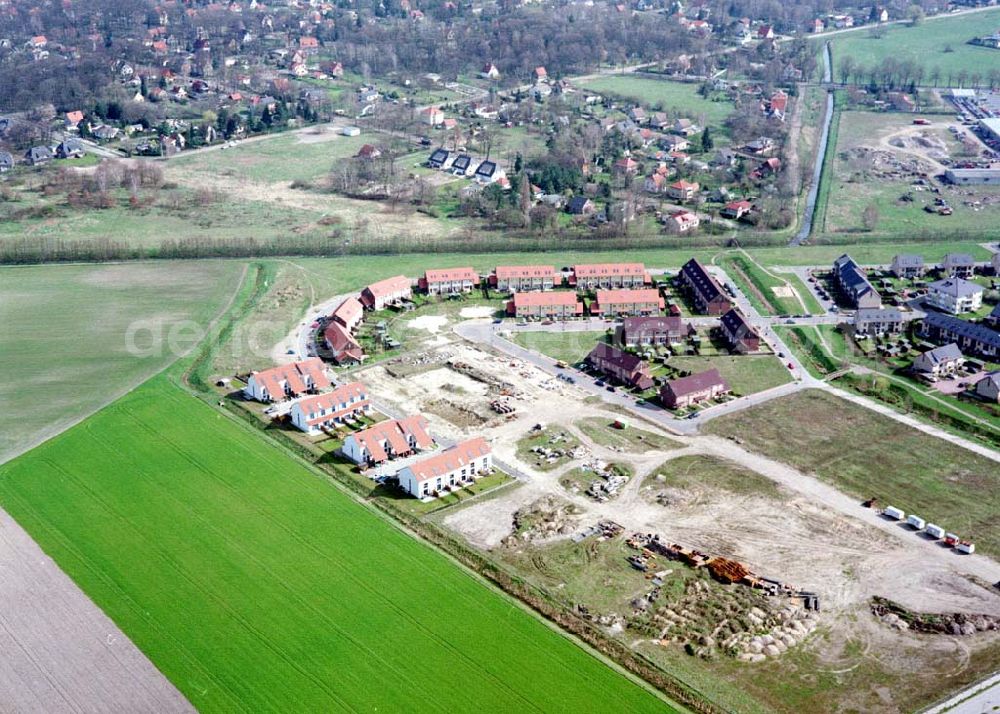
(809, 214)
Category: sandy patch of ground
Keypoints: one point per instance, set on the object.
(428, 323)
(783, 291)
(472, 312)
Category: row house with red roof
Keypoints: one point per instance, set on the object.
(387, 440)
(341, 344)
(525, 278)
(391, 291)
(288, 380)
(641, 302)
(449, 281)
(609, 276)
(541, 305)
(331, 409)
(454, 467)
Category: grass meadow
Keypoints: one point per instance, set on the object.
(865, 454)
(670, 96)
(927, 45)
(255, 585)
(63, 346)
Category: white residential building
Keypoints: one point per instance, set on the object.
(451, 468)
(323, 411)
(955, 295)
(288, 380)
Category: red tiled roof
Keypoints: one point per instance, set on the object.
(618, 297)
(547, 299)
(507, 272)
(448, 274)
(348, 311)
(701, 381)
(341, 343)
(331, 401)
(389, 286)
(450, 460)
(294, 375)
(394, 432)
(594, 270)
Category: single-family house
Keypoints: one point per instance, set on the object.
(330, 409)
(70, 149)
(992, 319)
(620, 365)
(390, 291)
(368, 152)
(38, 155)
(453, 467)
(741, 337)
(683, 190)
(343, 347)
(626, 165)
(958, 265)
(655, 183)
(682, 221)
(644, 331)
(853, 282)
(765, 32)
(776, 105)
(972, 338)
(592, 276)
(438, 159)
(432, 116)
(685, 127)
(736, 209)
(73, 119)
(955, 295)
(489, 71)
(552, 305)
(939, 362)
(580, 206)
(695, 388)
(462, 165)
(541, 75)
(708, 296)
(6, 161)
(489, 172)
(287, 380)
(988, 388)
(388, 440)
(629, 301)
(525, 278)
(908, 265)
(760, 146)
(349, 313)
(449, 281)
(877, 321)
(674, 142)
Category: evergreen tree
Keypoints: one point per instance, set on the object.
(706, 140)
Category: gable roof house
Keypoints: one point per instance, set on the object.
(287, 380)
(388, 440)
(349, 313)
(462, 165)
(524, 278)
(590, 276)
(489, 172)
(970, 337)
(343, 347)
(386, 292)
(37, 155)
(438, 159)
(988, 387)
(695, 388)
(642, 331)
(453, 467)
(709, 297)
(73, 119)
(642, 301)
(323, 411)
(623, 366)
(958, 265)
(853, 282)
(432, 116)
(368, 152)
(908, 265)
(489, 71)
(683, 190)
(580, 206)
(70, 149)
(877, 321)
(736, 209)
(551, 305)
(449, 281)
(682, 221)
(939, 362)
(776, 106)
(6, 161)
(741, 337)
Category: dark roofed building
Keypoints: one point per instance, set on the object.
(640, 331)
(580, 206)
(623, 366)
(438, 158)
(958, 265)
(70, 149)
(940, 361)
(971, 338)
(877, 321)
(462, 165)
(6, 161)
(908, 265)
(709, 298)
(740, 335)
(38, 155)
(853, 282)
(685, 391)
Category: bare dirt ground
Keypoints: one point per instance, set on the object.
(58, 651)
(796, 539)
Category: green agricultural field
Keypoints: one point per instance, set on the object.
(255, 585)
(570, 347)
(866, 454)
(746, 374)
(64, 346)
(665, 94)
(936, 44)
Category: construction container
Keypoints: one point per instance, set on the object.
(951, 539)
(916, 522)
(966, 547)
(894, 513)
(934, 531)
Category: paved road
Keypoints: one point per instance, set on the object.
(809, 214)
